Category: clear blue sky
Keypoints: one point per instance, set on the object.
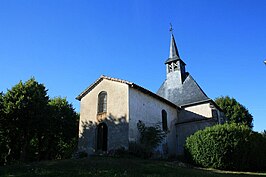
(68, 44)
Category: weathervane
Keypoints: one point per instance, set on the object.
(171, 28)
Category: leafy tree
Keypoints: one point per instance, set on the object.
(32, 127)
(3, 137)
(25, 106)
(234, 111)
(63, 129)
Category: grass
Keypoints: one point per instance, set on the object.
(108, 166)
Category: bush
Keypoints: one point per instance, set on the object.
(150, 138)
(227, 146)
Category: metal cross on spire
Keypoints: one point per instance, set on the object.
(171, 28)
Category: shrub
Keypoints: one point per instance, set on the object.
(150, 138)
(227, 146)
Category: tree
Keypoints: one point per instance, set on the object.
(63, 129)
(33, 127)
(3, 137)
(234, 111)
(25, 106)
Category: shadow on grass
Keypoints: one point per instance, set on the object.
(107, 166)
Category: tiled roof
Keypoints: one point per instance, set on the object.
(131, 84)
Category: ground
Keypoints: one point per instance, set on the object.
(108, 166)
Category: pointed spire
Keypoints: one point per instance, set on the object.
(173, 49)
(173, 55)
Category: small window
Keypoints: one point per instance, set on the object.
(102, 102)
(170, 69)
(164, 120)
(176, 66)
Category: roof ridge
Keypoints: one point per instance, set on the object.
(131, 84)
(116, 79)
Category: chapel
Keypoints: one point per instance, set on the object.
(110, 109)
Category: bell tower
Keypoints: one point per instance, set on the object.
(179, 86)
(175, 67)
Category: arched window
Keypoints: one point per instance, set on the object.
(164, 120)
(102, 102)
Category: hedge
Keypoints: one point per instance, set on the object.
(227, 146)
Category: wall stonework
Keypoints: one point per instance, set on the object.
(193, 118)
(117, 133)
(116, 116)
(149, 110)
(184, 130)
(195, 112)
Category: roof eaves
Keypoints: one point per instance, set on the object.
(195, 120)
(88, 89)
(117, 80)
(201, 102)
(131, 84)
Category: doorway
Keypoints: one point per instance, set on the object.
(102, 134)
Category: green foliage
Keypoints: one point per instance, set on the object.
(228, 146)
(34, 127)
(234, 111)
(150, 138)
(3, 132)
(63, 129)
(25, 106)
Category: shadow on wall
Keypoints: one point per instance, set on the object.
(108, 134)
(188, 124)
(188, 116)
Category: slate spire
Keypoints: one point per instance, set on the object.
(173, 54)
(173, 49)
(175, 67)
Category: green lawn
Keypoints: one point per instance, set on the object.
(107, 166)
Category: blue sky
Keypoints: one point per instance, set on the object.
(68, 44)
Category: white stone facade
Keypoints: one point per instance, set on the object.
(117, 102)
(126, 106)
(149, 110)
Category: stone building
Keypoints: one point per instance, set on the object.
(110, 109)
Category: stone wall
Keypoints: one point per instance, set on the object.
(184, 130)
(195, 112)
(149, 110)
(116, 117)
(193, 118)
